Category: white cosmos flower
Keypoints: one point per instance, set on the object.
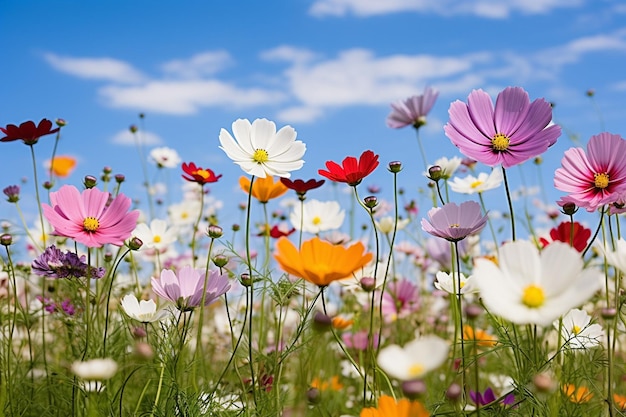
(472, 184)
(448, 166)
(144, 311)
(165, 157)
(578, 332)
(617, 258)
(445, 282)
(156, 236)
(415, 359)
(95, 369)
(386, 224)
(318, 216)
(528, 287)
(260, 150)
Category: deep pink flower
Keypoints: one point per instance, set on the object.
(186, 288)
(400, 300)
(594, 178)
(515, 131)
(454, 223)
(89, 218)
(413, 110)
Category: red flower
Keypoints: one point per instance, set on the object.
(301, 187)
(563, 233)
(27, 131)
(351, 171)
(199, 175)
(279, 231)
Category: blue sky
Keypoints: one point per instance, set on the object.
(329, 68)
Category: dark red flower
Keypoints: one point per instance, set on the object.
(563, 233)
(351, 171)
(27, 131)
(279, 231)
(300, 186)
(199, 175)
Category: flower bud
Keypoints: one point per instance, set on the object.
(435, 173)
(47, 185)
(414, 389)
(236, 227)
(144, 351)
(395, 166)
(119, 178)
(544, 382)
(313, 395)
(90, 181)
(214, 231)
(454, 392)
(245, 279)
(569, 209)
(6, 239)
(608, 313)
(370, 201)
(139, 332)
(220, 261)
(133, 129)
(368, 284)
(321, 321)
(473, 311)
(60, 122)
(135, 243)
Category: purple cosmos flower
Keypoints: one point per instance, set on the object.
(13, 193)
(413, 110)
(515, 131)
(489, 397)
(360, 340)
(53, 263)
(597, 177)
(186, 288)
(454, 223)
(400, 299)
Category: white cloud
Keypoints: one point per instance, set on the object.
(126, 138)
(185, 96)
(574, 51)
(492, 9)
(289, 54)
(301, 114)
(199, 65)
(107, 69)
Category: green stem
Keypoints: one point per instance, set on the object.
(510, 202)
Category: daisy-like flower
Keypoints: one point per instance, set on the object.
(53, 263)
(27, 132)
(594, 178)
(415, 359)
(529, 287)
(509, 134)
(447, 282)
(318, 216)
(574, 234)
(89, 218)
(489, 397)
(185, 213)
(454, 223)
(480, 184)
(577, 395)
(386, 224)
(577, 331)
(351, 170)
(200, 175)
(413, 110)
(448, 167)
(389, 407)
(95, 369)
(301, 187)
(320, 262)
(263, 189)
(165, 157)
(260, 150)
(400, 299)
(144, 311)
(185, 288)
(61, 165)
(156, 236)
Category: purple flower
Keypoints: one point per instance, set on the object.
(13, 193)
(489, 397)
(400, 299)
(186, 288)
(68, 308)
(360, 340)
(53, 263)
(515, 131)
(413, 110)
(454, 223)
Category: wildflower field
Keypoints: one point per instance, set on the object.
(115, 304)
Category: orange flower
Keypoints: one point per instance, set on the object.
(333, 384)
(263, 189)
(620, 401)
(388, 407)
(577, 395)
(481, 337)
(341, 323)
(62, 165)
(320, 262)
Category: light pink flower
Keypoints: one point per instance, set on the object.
(89, 218)
(413, 110)
(186, 288)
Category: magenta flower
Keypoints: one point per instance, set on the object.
(515, 131)
(89, 218)
(597, 177)
(454, 223)
(413, 110)
(186, 288)
(400, 300)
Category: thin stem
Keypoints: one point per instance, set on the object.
(250, 294)
(510, 202)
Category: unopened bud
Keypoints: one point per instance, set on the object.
(119, 178)
(435, 172)
(90, 181)
(6, 239)
(473, 311)
(544, 382)
(144, 351)
(569, 209)
(395, 166)
(135, 243)
(313, 395)
(139, 332)
(321, 321)
(236, 227)
(214, 231)
(454, 392)
(608, 313)
(370, 201)
(368, 284)
(47, 185)
(414, 389)
(60, 122)
(220, 261)
(133, 129)
(245, 279)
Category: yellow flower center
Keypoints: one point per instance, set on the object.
(260, 156)
(476, 184)
(576, 329)
(203, 173)
(156, 239)
(317, 220)
(533, 296)
(416, 370)
(455, 225)
(184, 215)
(601, 180)
(91, 224)
(500, 142)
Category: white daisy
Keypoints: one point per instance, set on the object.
(144, 311)
(578, 332)
(95, 369)
(318, 216)
(528, 287)
(415, 359)
(386, 224)
(472, 184)
(156, 236)
(165, 157)
(445, 282)
(260, 150)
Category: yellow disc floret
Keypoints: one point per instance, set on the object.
(416, 370)
(533, 296)
(500, 142)
(601, 180)
(317, 220)
(91, 224)
(260, 156)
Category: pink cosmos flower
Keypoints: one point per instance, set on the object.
(413, 110)
(515, 131)
(454, 223)
(597, 177)
(89, 218)
(186, 288)
(400, 300)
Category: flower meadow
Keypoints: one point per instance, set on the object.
(114, 304)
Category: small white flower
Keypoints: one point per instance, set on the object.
(184, 213)
(415, 359)
(318, 216)
(445, 282)
(386, 224)
(471, 184)
(448, 166)
(156, 236)
(165, 157)
(260, 150)
(577, 330)
(95, 369)
(144, 311)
